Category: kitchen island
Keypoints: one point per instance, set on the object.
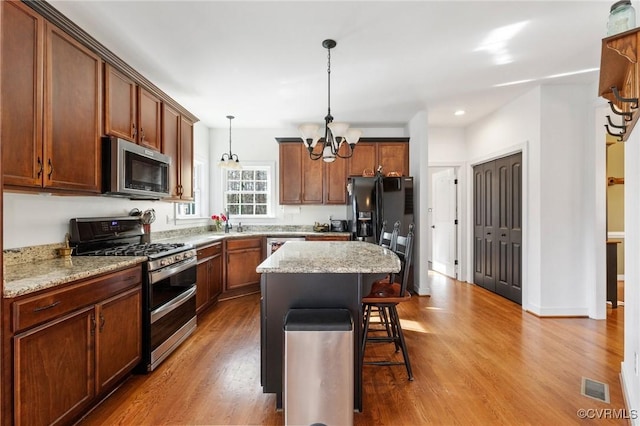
(316, 274)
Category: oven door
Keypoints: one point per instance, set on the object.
(167, 284)
(171, 309)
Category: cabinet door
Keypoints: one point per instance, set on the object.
(215, 277)
(394, 157)
(312, 180)
(364, 158)
(119, 104)
(72, 123)
(241, 267)
(171, 145)
(186, 159)
(290, 173)
(118, 337)
(21, 97)
(335, 179)
(54, 370)
(202, 283)
(149, 113)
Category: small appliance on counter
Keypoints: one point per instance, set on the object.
(338, 226)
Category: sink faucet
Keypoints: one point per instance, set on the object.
(227, 225)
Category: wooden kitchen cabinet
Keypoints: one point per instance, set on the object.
(390, 153)
(243, 255)
(66, 348)
(131, 112)
(177, 136)
(209, 276)
(51, 106)
(306, 181)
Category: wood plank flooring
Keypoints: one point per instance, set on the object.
(477, 359)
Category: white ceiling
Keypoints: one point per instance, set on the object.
(263, 61)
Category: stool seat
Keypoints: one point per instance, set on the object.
(386, 293)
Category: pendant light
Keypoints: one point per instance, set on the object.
(335, 133)
(229, 160)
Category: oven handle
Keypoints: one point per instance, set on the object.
(161, 274)
(173, 304)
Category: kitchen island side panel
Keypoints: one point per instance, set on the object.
(282, 292)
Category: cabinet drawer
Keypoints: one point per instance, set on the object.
(327, 238)
(244, 243)
(209, 251)
(34, 310)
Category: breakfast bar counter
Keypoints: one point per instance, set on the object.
(316, 274)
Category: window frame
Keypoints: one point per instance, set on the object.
(200, 202)
(269, 167)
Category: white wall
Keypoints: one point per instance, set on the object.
(419, 158)
(630, 378)
(550, 125)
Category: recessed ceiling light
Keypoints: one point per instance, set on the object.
(459, 112)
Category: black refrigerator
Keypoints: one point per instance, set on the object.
(373, 200)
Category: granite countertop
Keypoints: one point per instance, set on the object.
(31, 270)
(338, 257)
(27, 278)
(204, 238)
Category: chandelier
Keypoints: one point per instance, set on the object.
(229, 160)
(335, 134)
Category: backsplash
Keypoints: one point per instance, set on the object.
(15, 256)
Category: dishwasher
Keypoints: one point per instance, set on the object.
(274, 243)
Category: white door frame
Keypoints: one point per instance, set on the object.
(460, 171)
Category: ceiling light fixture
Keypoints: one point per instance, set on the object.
(334, 133)
(459, 112)
(229, 160)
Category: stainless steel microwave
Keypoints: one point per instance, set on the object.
(133, 171)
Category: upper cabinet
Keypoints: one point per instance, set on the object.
(619, 81)
(390, 153)
(306, 181)
(61, 91)
(177, 134)
(131, 112)
(51, 105)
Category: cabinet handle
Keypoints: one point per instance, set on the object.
(43, 308)
(141, 134)
(40, 167)
(93, 324)
(101, 322)
(50, 168)
(135, 132)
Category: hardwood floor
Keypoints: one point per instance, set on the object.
(477, 359)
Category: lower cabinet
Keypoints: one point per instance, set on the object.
(72, 346)
(209, 276)
(243, 255)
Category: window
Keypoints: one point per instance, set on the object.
(248, 192)
(195, 209)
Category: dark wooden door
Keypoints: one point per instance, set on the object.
(484, 224)
(497, 233)
(509, 227)
(290, 173)
(171, 147)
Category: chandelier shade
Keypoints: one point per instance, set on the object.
(334, 133)
(228, 159)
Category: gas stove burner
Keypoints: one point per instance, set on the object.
(143, 249)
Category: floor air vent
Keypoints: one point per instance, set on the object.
(595, 390)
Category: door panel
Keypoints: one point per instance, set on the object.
(444, 222)
(498, 226)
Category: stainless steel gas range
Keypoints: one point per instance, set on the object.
(169, 284)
